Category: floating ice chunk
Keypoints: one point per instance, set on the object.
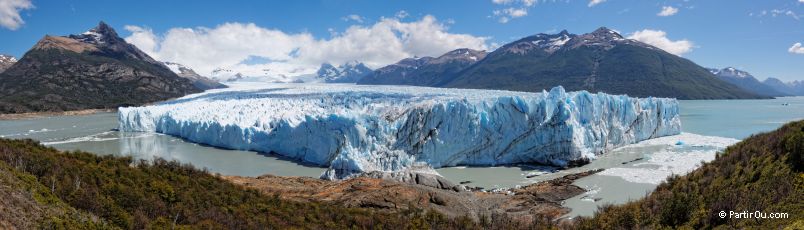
(673, 160)
(353, 129)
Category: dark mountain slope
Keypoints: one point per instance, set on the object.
(93, 70)
(599, 61)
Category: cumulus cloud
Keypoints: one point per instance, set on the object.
(667, 11)
(230, 45)
(796, 48)
(10, 13)
(659, 39)
(595, 2)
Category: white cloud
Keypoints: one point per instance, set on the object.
(777, 12)
(10, 13)
(143, 38)
(659, 39)
(529, 2)
(667, 11)
(401, 14)
(353, 17)
(595, 2)
(228, 45)
(508, 2)
(502, 2)
(505, 15)
(796, 48)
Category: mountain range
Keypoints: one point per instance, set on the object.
(602, 60)
(349, 72)
(200, 82)
(93, 70)
(795, 88)
(746, 81)
(425, 71)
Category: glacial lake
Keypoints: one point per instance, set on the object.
(721, 118)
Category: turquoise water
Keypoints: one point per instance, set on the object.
(95, 133)
(739, 118)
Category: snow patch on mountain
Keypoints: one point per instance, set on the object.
(354, 129)
(6, 61)
(730, 72)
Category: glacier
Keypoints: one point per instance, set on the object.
(354, 129)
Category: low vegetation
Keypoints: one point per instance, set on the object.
(762, 173)
(161, 194)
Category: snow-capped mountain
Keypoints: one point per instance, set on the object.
(544, 42)
(91, 70)
(730, 72)
(6, 61)
(349, 72)
(353, 129)
(199, 81)
(463, 55)
(600, 61)
(425, 71)
(745, 81)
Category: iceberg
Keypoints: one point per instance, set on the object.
(354, 129)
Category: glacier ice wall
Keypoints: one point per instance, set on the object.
(353, 129)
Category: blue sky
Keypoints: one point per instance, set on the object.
(757, 36)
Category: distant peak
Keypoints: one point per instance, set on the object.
(602, 29)
(732, 72)
(563, 32)
(606, 32)
(352, 63)
(104, 29)
(326, 65)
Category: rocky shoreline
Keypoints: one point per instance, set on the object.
(536, 201)
(18, 116)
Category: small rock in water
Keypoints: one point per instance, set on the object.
(465, 182)
(680, 143)
(634, 160)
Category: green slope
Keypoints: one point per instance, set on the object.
(138, 195)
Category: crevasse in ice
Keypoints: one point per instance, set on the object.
(353, 129)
